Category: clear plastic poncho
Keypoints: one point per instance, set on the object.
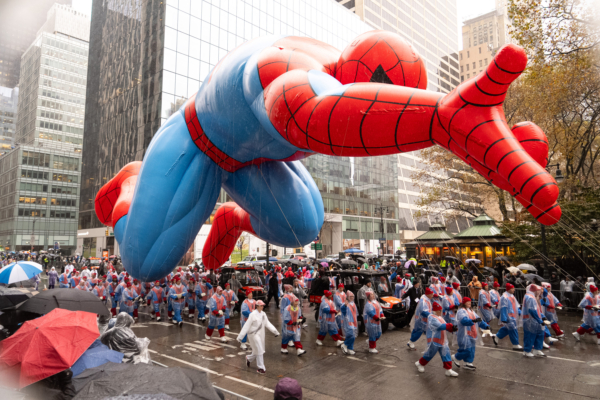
(122, 339)
(509, 307)
(420, 322)
(531, 303)
(467, 336)
(350, 320)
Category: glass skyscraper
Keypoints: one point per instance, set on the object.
(39, 179)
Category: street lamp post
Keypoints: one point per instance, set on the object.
(559, 178)
(380, 209)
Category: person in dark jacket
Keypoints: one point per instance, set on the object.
(414, 293)
(273, 290)
(555, 282)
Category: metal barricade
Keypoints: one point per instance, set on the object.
(569, 300)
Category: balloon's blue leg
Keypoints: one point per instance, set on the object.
(176, 191)
(283, 201)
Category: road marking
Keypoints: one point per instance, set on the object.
(214, 372)
(369, 362)
(198, 347)
(519, 351)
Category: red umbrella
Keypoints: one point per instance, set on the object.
(47, 345)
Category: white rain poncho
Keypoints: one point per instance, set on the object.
(255, 329)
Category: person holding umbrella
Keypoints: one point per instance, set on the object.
(255, 329)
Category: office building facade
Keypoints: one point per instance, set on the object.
(39, 179)
(20, 22)
(8, 118)
(482, 36)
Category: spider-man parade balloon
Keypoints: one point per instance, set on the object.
(275, 100)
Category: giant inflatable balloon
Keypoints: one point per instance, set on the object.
(275, 100)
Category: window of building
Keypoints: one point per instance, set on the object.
(68, 163)
(474, 65)
(62, 214)
(64, 178)
(63, 202)
(462, 78)
(467, 67)
(468, 76)
(485, 62)
(27, 212)
(480, 49)
(480, 63)
(64, 189)
(36, 159)
(25, 173)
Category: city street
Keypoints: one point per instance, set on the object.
(571, 370)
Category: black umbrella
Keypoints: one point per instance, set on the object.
(140, 379)
(100, 372)
(451, 258)
(68, 299)
(293, 261)
(502, 258)
(347, 262)
(11, 297)
(491, 271)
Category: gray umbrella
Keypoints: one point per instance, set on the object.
(100, 372)
(12, 296)
(142, 379)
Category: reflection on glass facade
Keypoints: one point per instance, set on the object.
(8, 118)
(148, 58)
(124, 85)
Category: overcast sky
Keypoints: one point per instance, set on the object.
(466, 8)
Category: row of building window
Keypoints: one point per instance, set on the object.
(60, 138)
(43, 160)
(60, 117)
(44, 200)
(45, 175)
(65, 67)
(66, 46)
(37, 187)
(65, 77)
(62, 96)
(62, 107)
(63, 86)
(60, 127)
(29, 212)
(65, 56)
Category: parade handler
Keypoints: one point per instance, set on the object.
(437, 342)
(255, 329)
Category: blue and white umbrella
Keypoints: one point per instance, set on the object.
(19, 271)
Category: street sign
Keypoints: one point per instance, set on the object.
(316, 246)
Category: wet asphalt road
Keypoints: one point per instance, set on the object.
(571, 370)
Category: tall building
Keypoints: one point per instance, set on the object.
(8, 118)
(39, 179)
(19, 24)
(482, 36)
(430, 26)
